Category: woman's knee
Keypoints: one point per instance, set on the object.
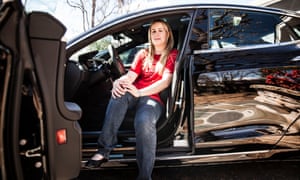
(145, 123)
(125, 99)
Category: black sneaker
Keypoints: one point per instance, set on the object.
(91, 164)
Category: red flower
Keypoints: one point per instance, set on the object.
(286, 79)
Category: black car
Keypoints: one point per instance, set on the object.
(234, 95)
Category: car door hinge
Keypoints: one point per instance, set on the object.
(35, 152)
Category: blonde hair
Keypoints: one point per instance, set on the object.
(160, 66)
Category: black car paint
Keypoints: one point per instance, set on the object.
(34, 108)
(42, 84)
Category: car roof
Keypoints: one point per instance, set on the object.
(176, 5)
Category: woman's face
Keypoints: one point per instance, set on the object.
(159, 35)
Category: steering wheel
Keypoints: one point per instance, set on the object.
(116, 62)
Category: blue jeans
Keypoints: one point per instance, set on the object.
(148, 111)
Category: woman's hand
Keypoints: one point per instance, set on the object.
(119, 85)
(119, 89)
(132, 90)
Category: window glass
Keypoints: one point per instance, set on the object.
(297, 31)
(199, 36)
(235, 28)
(128, 56)
(101, 45)
(292, 28)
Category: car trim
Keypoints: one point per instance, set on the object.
(3, 103)
(249, 47)
(228, 156)
(198, 159)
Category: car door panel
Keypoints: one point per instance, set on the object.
(235, 101)
(12, 71)
(39, 129)
(242, 85)
(49, 57)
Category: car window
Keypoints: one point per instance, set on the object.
(234, 28)
(199, 35)
(128, 55)
(292, 28)
(229, 28)
(100, 46)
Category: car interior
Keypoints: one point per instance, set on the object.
(89, 77)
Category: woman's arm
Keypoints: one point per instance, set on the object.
(120, 84)
(158, 86)
(154, 88)
(129, 77)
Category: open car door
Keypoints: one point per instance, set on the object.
(40, 136)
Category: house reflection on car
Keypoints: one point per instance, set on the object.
(234, 95)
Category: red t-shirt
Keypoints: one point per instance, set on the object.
(149, 76)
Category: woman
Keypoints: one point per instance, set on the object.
(150, 73)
